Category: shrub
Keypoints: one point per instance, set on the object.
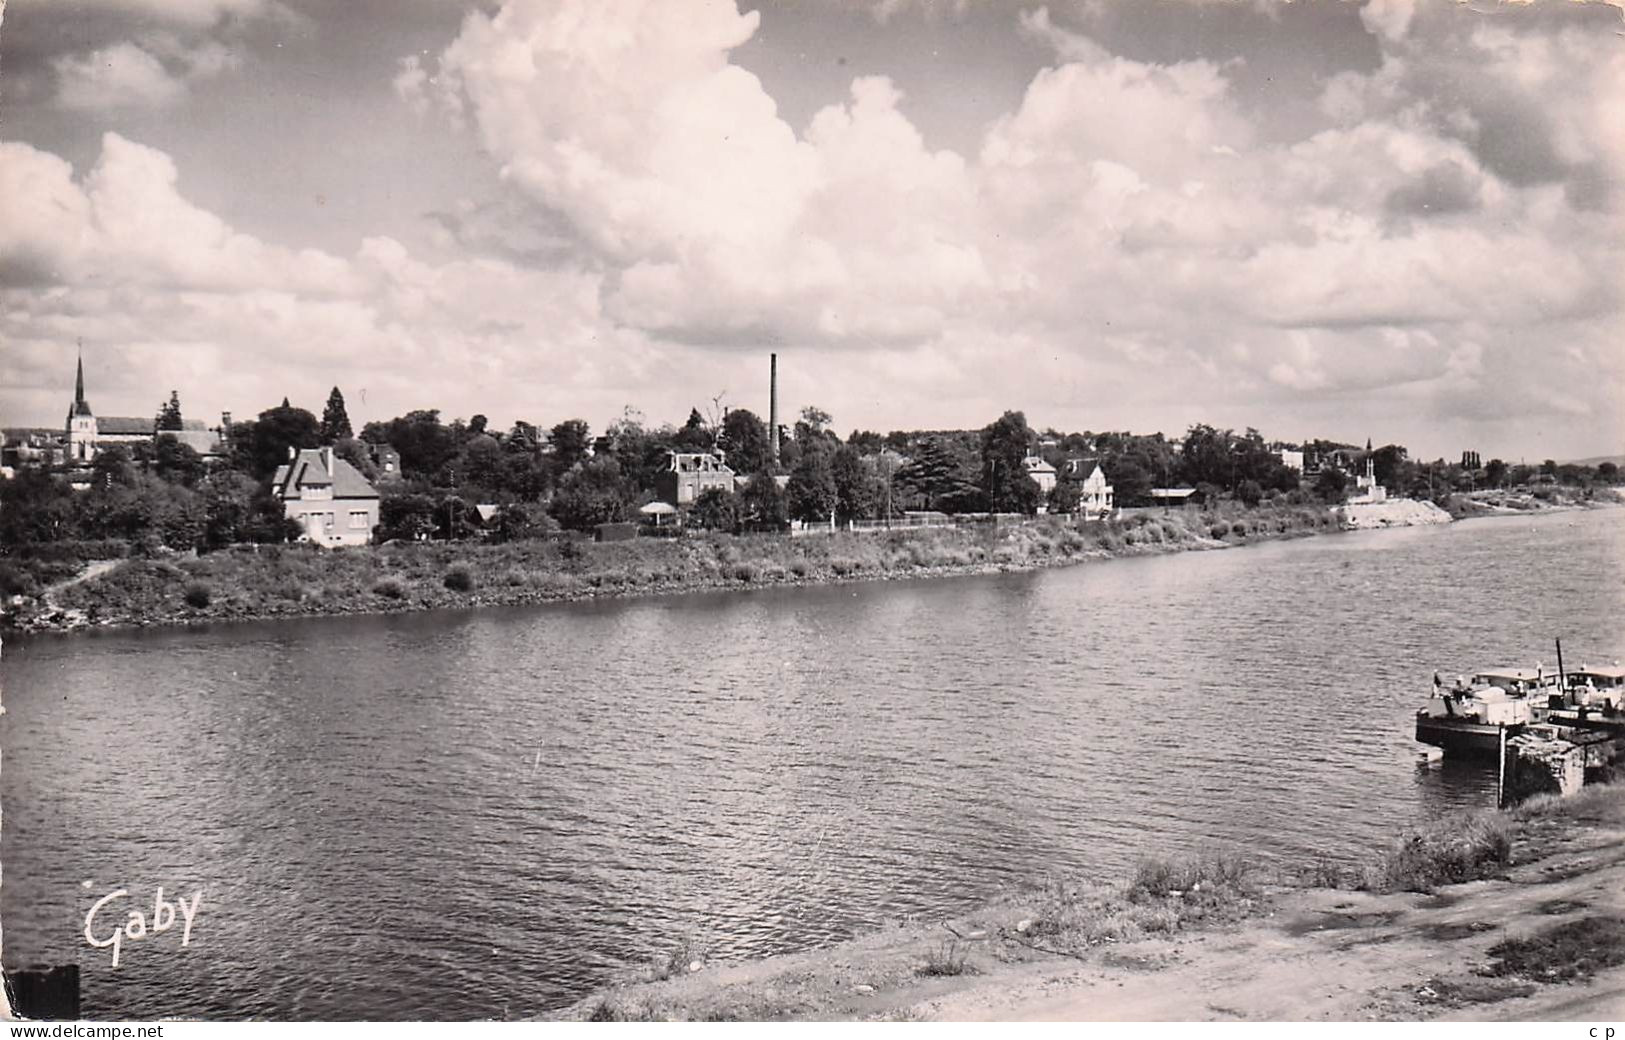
(197, 595)
(945, 960)
(459, 579)
(799, 568)
(390, 588)
(1448, 852)
(14, 580)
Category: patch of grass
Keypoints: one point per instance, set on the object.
(459, 579)
(1465, 991)
(1323, 873)
(1447, 852)
(390, 588)
(1564, 952)
(1162, 896)
(947, 959)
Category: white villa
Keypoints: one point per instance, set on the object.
(1095, 501)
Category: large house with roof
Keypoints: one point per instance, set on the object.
(689, 474)
(327, 497)
(1094, 494)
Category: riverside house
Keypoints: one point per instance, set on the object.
(687, 474)
(1094, 494)
(327, 496)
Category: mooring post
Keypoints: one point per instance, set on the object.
(40, 992)
(1501, 766)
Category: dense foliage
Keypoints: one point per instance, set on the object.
(461, 480)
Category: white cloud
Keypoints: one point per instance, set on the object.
(1125, 238)
(1388, 18)
(119, 76)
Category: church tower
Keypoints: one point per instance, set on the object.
(81, 423)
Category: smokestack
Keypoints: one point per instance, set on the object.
(773, 407)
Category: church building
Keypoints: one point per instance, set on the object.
(87, 434)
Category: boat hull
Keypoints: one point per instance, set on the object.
(1463, 736)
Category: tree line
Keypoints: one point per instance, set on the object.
(566, 477)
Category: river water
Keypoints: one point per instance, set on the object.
(486, 814)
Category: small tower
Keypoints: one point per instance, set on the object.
(81, 422)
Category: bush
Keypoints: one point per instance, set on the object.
(390, 588)
(197, 595)
(459, 579)
(948, 959)
(1447, 853)
(15, 580)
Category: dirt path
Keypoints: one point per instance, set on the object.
(1320, 954)
(92, 570)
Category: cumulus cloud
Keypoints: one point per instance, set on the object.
(151, 282)
(158, 52)
(1129, 235)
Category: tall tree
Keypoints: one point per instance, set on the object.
(938, 477)
(176, 462)
(169, 413)
(592, 493)
(762, 505)
(1005, 443)
(425, 443)
(278, 429)
(744, 439)
(335, 420)
(571, 439)
(694, 435)
(859, 491)
(812, 491)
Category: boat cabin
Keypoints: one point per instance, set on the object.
(1517, 682)
(1602, 687)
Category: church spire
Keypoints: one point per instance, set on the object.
(80, 405)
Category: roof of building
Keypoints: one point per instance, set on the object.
(1036, 464)
(123, 425)
(697, 462)
(309, 469)
(1083, 469)
(1172, 492)
(203, 442)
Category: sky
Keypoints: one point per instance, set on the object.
(1401, 220)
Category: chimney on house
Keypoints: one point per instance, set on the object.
(293, 453)
(225, 420)
(327, 459)
(773, 407)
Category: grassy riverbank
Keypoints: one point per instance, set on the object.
(1488, 915)
(283, 581)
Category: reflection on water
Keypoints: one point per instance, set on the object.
(485, 814)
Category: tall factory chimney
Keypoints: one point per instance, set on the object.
(773, 407)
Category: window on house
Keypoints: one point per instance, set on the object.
(358, 518)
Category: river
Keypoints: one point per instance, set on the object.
(486, 814)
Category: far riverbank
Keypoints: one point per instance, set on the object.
(269, 582)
